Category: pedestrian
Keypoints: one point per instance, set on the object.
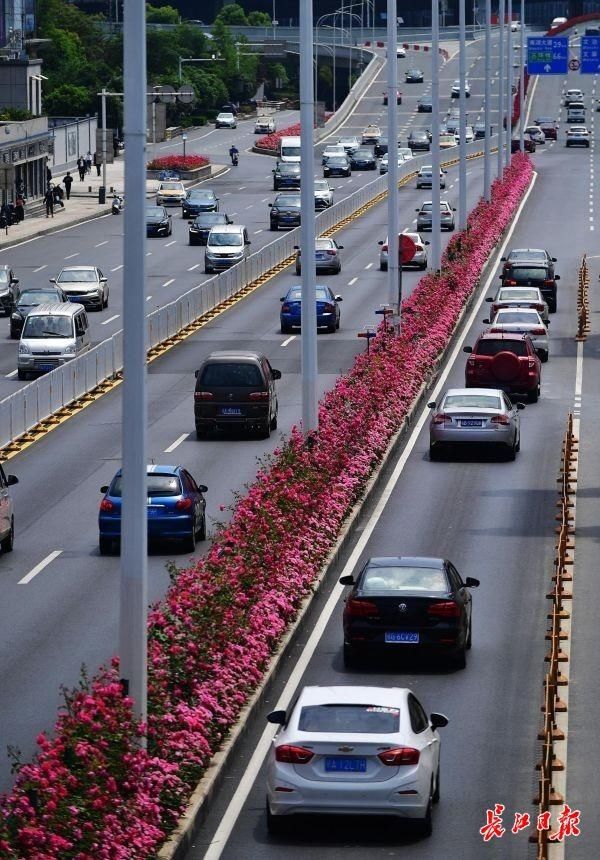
(19, 209)
(49, 201)
(58, 196)
(115, 145)
(12, 218)
(48, 175)
(97, 163)
(67, 182)
(81, 167)
(88, 162)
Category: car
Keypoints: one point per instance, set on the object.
(328, 309)
(425, 177)
(286, 211)
(398, 97)
(332, 149)
(229, 107)
(9, 289)
(337, 165)
(528, 144)
(323, 194)
(479, 130)
(85, 285)
(455, 90)
(418, 139)
(506, 361)
(363, 159)
(520, 297)
(425, 212)
(536, 134)
(522, 321)
(419, 260)
(413, 76)
(353, 751)
(381, 147)
(226, 246)
(385, 162)
(7, 516)
(549, 126)
(403, 604)
(592, 31)
(474, 416)
(557, 22)
(453, 113)
(327, 256)
(30, 299)
(573, 95)
(202, 224)
(225, 119)
(235, 388)
(469, 134)
(265, 124)
(527, 273)
(576, 113)
(349, 142)
(286, 174)
(371, 134)
(425, 104)
(447, 141)
(199, 200)
(451, 126)
(158, 221)
(528, 255)
(175, 505)
(406, 152)
(170, 193)
(400, 52)
(515, 26)
(578, 135)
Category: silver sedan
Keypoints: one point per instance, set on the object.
(520, 297)
(523, 321)
(475, 416)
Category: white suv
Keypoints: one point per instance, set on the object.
(7, 520)
(574, 95)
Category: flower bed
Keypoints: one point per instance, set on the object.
(178, 162)
(91, 794)
(271, 141)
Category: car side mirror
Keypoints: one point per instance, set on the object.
(278, 718)
(486, 321)
(557, 277)
(270, 204)
(276, 374)
(520, 406)
(471, 582)
(52, 280)
(190, 222)
(417, 210)
(339, 298)
(247, 242)
(103, 280)
(380, 242)
(503, 259)
(15, 281)
(196, 372)
(203, 488)
(340, 247)
(347, 580)
(427, 242)
(438, 721)
(467, 349)
(489, 299)
(296, 247)
(431, 404)
(11, 480)
(501, 277)
(104, 489)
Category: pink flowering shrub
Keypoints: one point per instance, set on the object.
(178, 162)
(271, 141)
(91, 793)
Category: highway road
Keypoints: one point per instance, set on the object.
(495, 521)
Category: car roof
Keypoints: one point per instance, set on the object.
(153, 468)
(405, 561)
(63, 309)
(360, 695)
(464, 391)
(230, 228)
(82, 267)
(486, 335)
(233, 355)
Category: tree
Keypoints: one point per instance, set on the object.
(161, 14)
(232, 13)
(68, 100)
(278, 76)
(259, 19)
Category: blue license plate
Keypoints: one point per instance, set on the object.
(45, 367)
(343, 764)
(230, 410)
(471, 422)
(153, 512)
(402, 637)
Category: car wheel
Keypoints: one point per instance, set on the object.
(265, 429)
(22, 374)
(202, 529)
(105, 303)
(274, 422)
(425, 825)
(518, 445)
(423, 266)
(7, 543)
(298, 271)
(273, 226)
(276, 824)
(544, 357)
(332, 328)
(552, 306)
(470, 636)
(105, 545)
(349, 657)
(285, 329)
(337, 325)
(435, 797)
(459, 661)
(382, 267)
(189, 543)
(14, 334)
(511, 452)
(434, 453)
(201, 432)
(534, 395)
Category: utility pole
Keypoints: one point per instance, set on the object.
(436, 249)
(502, 15)
(509, 86)
(462, 125)
(522, 81)
(394, 274)
(104, 140)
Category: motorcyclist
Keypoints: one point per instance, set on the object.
(234, 154)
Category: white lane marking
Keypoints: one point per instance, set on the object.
(264, 200)
(39, 268)
(176, 443)
(353, 281)
(289, 340)
(116, 268)
(148, 298)
(148, 253)
(225, 193)
(11, 374)
(39, 567)
(249, 207)
(110, 319)
(256, 232)
(236, 804)
(195, 266)
(242, 187)
(70, 256)
(369, 266)
(100, 244)
(169, 282)
(168, 244)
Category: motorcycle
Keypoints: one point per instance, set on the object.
(234, 159)
(117, 204)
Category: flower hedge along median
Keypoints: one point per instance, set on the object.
(271, 141)
(178, 162)
(91, 793)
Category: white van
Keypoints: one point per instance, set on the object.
(51, 336)
(227, 244)
(289, 149)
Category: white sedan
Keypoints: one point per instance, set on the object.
(354, 751)
(225, 120)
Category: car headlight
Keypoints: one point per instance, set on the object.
(24, 349)
(69, 350)
(16, 316)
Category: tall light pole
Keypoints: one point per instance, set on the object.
(104, 139)
(502, 16)
(134, 542)
(394, 267)
(487, 113)
(308, 319)
(522, 81)
(462, 125)
(436, 249)
(509, 85)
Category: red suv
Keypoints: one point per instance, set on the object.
(505, 361)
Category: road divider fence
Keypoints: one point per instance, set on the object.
(583, 301)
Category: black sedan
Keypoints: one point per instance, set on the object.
(158, 221)
(337, 166)
(286, 211)
(30, 299)
(199, 200)
(363, 159)
(405, 604)
(419, 140)
(413, 76)
(286, 175)
(425, 105)
(381, 147)
(200, 226)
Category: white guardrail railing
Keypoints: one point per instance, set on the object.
(48, 394)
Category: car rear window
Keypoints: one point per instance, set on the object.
(523, 273)
(157, 485)
(381, 579)
(350, 719)
(527, 255)
(493, 347)
(472, 401)
(508, 295)
(517, 317)
(229, 375)
(296, 294)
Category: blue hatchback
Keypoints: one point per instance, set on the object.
(328, 309)
(175, 504)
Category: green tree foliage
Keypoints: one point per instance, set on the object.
(259, 19)
(67, 100)
(161, 14)
(231, 13)
(278, 72)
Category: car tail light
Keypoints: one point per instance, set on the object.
(398, 756)
(203, 395)
(259, 395)
(538, 306)
(531, 364)
(444, 609)
(331, 252)
(500, 419)
(538, 331)
(495, 330)
(183, 504)
(106, 505)
(384, 247)
(441, 418)
(328, 308)
(549, 282)
(291, 754)
(285, 308)
(509, 282)
(360, 608)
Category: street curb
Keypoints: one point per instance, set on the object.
(181, 839)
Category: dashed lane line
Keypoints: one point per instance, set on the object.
(116, 268)
(176, 443)
(288, 340)
(168, 283)
(40, 567)
(110, 319)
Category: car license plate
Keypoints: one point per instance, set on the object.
(403, 637)
(471, 422)
(230, 410)
(45, 367)
(343, 764)
(153, 512)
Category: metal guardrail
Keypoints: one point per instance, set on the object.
(40, 400)
(583, 301)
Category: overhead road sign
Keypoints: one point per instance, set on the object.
(590, 55)
(547, 56)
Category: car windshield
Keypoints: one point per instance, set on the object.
(170, 186)
(505, 317)
(419, 135)
(508, 295)
(31, 298)
(493, 347)
(225, 116)
(381, 579)
(324, 244)
(230, 375)
(155, 212)
(321, 185)
(47, 326)
(156, 485)
(200, 195)
(3, 276)
(287, 201)
(211, 218)
(447, 138)
(77, 276)
(292, 169)
(519, 273)
(349, 719)
(545, 120)
(472, 401)
(363, 153)
(290, 151)
(225, 239)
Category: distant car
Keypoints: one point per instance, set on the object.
(170, 194)
(455, 90)
(354, 751)
(474, 417)
(371, 135)
(175, 506)
(413, 76)
(85, 285)
(528, 273)
(528, 144)
(30, 299)
(328, 309)
(327, 256)
(201, 226)
(398, 97)
(332, 149)
(425, 104)
(265, 124)
(573, 95)
(323, 194)
(7, 517)
(199, 200)
(381, 147)
(520, 297)
(447, 141)
(385, 162)
(479, 130)
(506, 361)
(515, 26)
(286, 174)
(557, 22)
(337, 165)
(405, 152)
(363, 159)
(286, 210)
(576, 113)
(424, 216)
(9, 289)
(425, 177)
(419, 260)
(225, 120)
(418, 140)
(536, 134)
(158, 221)
(469, 134)
(549, 126)
(349, 142)
(522, 321)
(578, 135)
(527, 255)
